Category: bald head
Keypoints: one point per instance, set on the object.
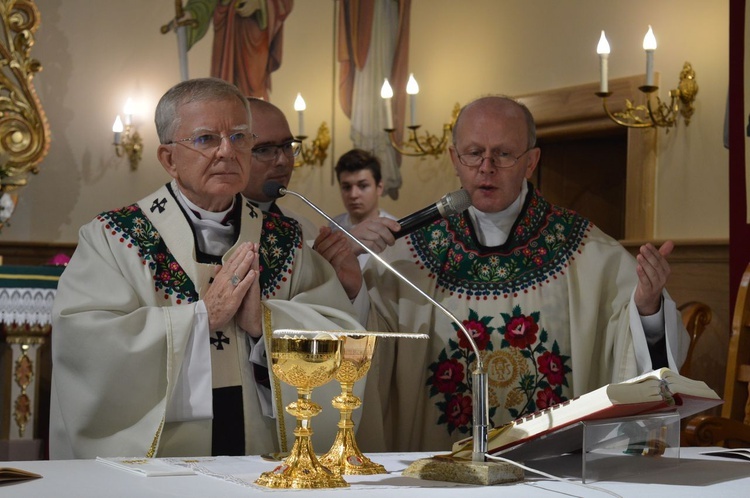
(260, 105)
(272, 129)
(500, 106)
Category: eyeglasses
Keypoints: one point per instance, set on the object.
(271, 152)
(499, 159)
(211, 141)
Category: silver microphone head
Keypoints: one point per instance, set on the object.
(454, 203)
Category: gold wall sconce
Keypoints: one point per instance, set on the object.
(127, 141)
(315, 152)
(662, 114)
(416, 145)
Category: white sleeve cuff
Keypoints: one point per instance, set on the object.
(192, 397)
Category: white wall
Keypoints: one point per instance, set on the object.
(96, 54)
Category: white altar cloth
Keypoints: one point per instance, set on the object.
(697, 475)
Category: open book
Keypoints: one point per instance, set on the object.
(658, 391)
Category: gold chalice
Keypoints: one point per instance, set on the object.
(305, 362)
(344, 457)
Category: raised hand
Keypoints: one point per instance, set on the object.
(653, 271)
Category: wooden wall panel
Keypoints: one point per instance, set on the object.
(32, 253)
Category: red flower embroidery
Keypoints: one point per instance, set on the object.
(551, 365)
(165, 276)
(538, 260)
(174, 266)
(448, 375)
(521, 331)
(458, 410)
(478, 332)
(546, 398)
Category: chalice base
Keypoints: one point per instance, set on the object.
(301, 470)
(345, 457)
(447, 468)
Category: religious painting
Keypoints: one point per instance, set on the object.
(248, 37)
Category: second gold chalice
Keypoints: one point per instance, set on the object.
(304, 361)
(344, 457)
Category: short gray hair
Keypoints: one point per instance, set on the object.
(167, 117)
(530, 124)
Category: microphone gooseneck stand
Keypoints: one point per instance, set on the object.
(479, 394)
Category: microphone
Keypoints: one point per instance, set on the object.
(480, 408)
(452, 203)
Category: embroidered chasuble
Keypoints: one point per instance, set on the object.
(551, 311)
(123, 320)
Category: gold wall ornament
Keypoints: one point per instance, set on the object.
(130, 145)
(23, 374)
(127, 140)
(24, 130)
(662, 114)
(427, 144)
(316, 151)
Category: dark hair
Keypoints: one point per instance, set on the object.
(167, 117)
(356, 160)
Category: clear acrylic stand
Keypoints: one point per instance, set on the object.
(634, 445)
(605, 450)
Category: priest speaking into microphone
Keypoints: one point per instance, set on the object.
(557, 307)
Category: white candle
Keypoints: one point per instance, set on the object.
(117, 129)
(300, 106)
(412, 88)
(649, 45)
(128, 110)
(386, 92)
(603, 50)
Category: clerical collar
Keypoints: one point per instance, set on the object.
(214, 231)
(221, 217)
(269, 207)
(493, 229)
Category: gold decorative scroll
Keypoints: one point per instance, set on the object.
(24, 131)
(23, 374)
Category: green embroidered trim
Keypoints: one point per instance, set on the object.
(281, 237)
(540, 247)
(136, 231)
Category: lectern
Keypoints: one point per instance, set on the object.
(26, 297)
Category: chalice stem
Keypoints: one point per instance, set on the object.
(345, 457)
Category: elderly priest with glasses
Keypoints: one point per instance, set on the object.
(556, 307)
(163, 315)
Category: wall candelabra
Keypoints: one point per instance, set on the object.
(661, 114)
(426, 144)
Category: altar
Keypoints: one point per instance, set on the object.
(697, 475)
(26, 297)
